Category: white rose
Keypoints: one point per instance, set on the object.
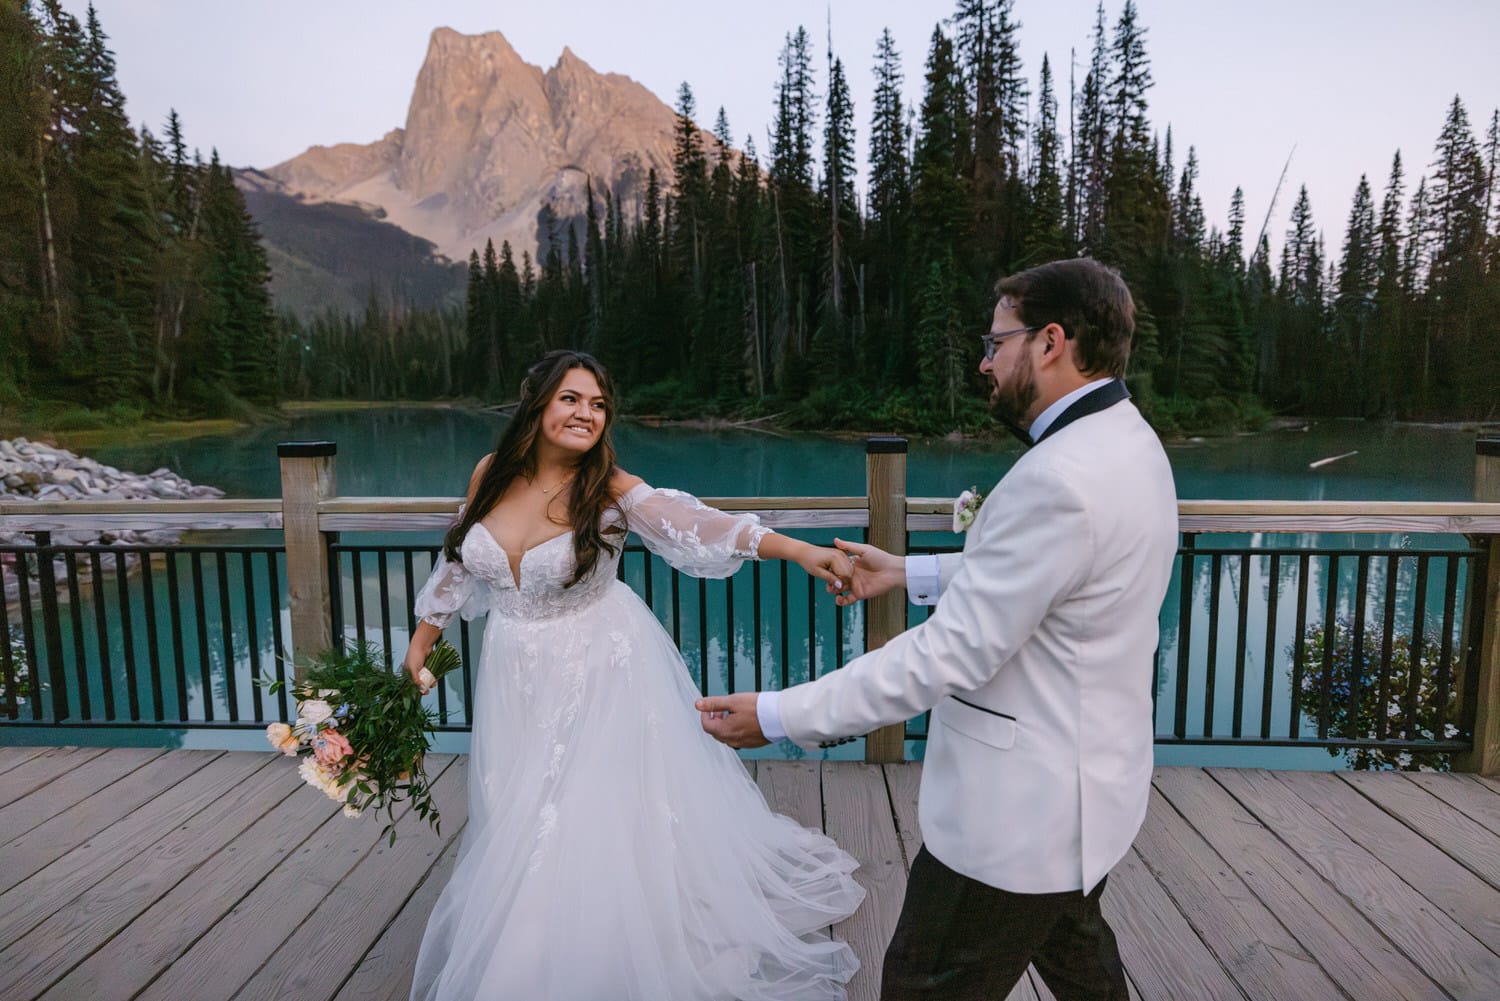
(351, 811)
(963, 511)
(314, 710)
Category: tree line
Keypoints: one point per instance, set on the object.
(742, 286)
(131, 275)
(784, 284)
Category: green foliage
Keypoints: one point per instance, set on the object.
(15, 697)
(1358, 715)
(126, 271)
(1215, 415)
(379, 710)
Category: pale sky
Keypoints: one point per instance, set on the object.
(1347, 82)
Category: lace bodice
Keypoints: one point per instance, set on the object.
(681, 529)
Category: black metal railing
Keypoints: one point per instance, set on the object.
(750, 631)
(142, 635)
(1271, 645)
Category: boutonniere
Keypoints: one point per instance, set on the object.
(965, 508)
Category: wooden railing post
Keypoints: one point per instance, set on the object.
(307, 477)
(885, 616)
(1485, 757)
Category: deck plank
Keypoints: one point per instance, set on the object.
(36, 771)
(12, 755)
(1474, 846)
(1457, 891)
(385, 971)
(793, 788)
(71, 788)
(903, 781)
(1251, 944)
(169, 927)
(1330, 928)
(1461, 792)
(229, 953)
(1163, 953)
(348, 920)
(1443, 950)
(859, 819)
(33, 962)
(29, 902)
(31, 852)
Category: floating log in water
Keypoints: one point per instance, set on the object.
(1331, 458)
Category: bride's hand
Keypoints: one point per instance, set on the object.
(416, 663)
(827, 564)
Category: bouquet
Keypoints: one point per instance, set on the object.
(965, 508)
(362, 731)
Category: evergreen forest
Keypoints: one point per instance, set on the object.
(779, 284)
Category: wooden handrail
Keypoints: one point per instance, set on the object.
(922, 513)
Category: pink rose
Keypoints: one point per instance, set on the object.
(331, 747)
(281, 737)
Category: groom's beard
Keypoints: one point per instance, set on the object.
(1011, 400)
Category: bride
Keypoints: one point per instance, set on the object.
(614, 851)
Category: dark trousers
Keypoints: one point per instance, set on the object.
(961, 940)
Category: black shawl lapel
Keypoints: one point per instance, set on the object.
(1102, 398)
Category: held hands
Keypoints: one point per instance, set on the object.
(874, 572)
(732, 719)
(827, 564)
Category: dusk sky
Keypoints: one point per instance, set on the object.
(1346, 83)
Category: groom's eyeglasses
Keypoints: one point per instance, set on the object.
(992, 340)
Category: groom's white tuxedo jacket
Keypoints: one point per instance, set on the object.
(1037, 661)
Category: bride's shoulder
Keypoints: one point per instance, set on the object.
(478, 474)
(621, 482)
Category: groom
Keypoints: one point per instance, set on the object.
(1037, 663)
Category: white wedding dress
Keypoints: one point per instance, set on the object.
(614, 851)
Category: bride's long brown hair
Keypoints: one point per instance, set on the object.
(515, 455)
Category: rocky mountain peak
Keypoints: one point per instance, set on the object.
(495, 148)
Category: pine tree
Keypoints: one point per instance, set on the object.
(940, 329)
(690, 173)
(793, 205)
(939, 218)
(1135, 196)
(1188, 209)
(1234, 239)
(890, 185)
(1091, 158)
(23, 127)
(1045, 238)
(837, 195)
(1354, 301)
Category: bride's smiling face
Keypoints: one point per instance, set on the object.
(575, 416)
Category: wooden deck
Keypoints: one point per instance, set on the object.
(141, 873)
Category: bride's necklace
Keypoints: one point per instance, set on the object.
(548, 490)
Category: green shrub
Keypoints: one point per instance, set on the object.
(1360, 722)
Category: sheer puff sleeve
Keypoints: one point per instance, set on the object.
(451, 589)
(690, 535)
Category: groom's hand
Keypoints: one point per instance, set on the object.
(732, 720)
(875, 572)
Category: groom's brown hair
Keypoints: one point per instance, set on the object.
(1089, 300)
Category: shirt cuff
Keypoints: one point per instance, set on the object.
(922, 584)
(768, 711)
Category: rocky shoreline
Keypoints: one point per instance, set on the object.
(33, 472)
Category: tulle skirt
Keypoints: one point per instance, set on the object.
(614, 852)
